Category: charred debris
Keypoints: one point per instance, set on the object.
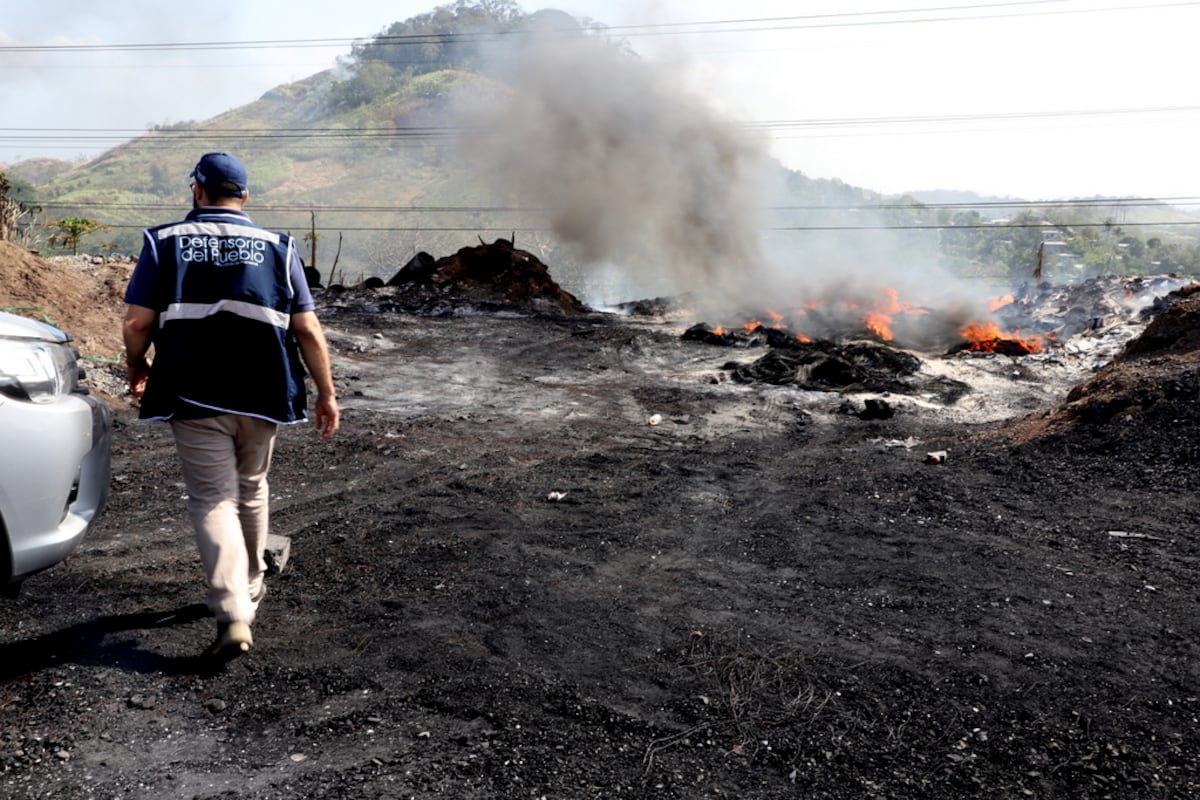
(487, 278)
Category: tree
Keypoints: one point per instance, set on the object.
(449, 37)
(69, 230)
(163, 181)
(12, 208)
(311, 237)
(371, 80)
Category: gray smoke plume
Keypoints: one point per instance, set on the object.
(628, 168)
(634, 170)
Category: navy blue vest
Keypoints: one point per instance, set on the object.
(224, 300)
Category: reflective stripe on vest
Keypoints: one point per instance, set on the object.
(239, 307)
(216, 229)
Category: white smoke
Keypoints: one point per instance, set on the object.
(628, 168)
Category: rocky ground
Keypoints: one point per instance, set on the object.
(505, 581)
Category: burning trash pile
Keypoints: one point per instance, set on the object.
(856, 347)
(1061, 311)
(487, 277)
(886, 320)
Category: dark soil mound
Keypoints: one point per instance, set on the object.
(490, 276)
(1173, 331)
(1145, 403)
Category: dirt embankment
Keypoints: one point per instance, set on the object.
(80, 294)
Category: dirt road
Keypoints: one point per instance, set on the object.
(506, 582)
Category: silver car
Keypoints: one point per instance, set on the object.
(55, 441)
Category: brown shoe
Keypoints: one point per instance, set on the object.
(233, 639)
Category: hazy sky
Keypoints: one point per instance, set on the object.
(1038, 99)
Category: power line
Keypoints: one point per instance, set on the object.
(135, 47)
(437, 134)
(1124, 203)
(770, 229)
(841, 15)
(959, 118)
(900, 21)
(981, 225)
(87, 134)
(844, 19)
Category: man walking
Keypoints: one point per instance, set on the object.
(230, 317)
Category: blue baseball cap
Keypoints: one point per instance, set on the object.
(221, 175)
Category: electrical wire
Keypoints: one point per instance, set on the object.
(1115, 202)
(437, 134)
(492, 228)
(843, 19)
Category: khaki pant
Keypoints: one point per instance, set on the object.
(225, 463)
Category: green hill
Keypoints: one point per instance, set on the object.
(353, 168)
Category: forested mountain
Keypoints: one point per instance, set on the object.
(368, 157)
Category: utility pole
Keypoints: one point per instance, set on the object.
(312, 239)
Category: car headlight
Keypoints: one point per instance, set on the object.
(36, 371)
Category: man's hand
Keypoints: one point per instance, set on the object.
(315, 352)
(136, 332)
(136, 374)
(328, 416)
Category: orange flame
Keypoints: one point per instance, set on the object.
(879, 324)
(1000, 302)
(980, 331)
(894, 305)
(891, 302)
(880, 318)
(987, 337)
(877, 317)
